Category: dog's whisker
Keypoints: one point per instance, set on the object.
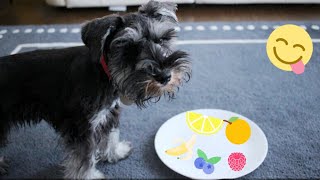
(147, 87)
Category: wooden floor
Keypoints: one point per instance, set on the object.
(37, 12)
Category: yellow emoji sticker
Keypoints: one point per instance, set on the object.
(289, 47)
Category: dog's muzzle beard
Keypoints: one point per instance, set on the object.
(145, 85)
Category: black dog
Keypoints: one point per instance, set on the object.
(78, 90)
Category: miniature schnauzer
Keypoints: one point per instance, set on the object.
(79, 90)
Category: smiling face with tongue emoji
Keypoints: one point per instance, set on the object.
(289, 47)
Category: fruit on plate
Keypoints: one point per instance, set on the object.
(205, 163)
(199, 163)
(178, 150)
(236, 161)
(201, 124)
(184, 147)
(208, 168)
(237, 131)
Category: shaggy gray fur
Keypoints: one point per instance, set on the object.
(234, 77)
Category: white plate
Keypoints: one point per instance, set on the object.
(175, 131)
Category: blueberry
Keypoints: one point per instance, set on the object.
(199, 163)
(208, 168)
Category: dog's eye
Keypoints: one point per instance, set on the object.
(149, 69)
(152, 71)
(161, 41)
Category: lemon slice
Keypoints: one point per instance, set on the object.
(201, 124)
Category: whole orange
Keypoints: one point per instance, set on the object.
(238, 132)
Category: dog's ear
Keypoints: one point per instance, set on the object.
(155, 9)
(97, 32)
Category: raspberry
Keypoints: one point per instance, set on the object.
(237, 161)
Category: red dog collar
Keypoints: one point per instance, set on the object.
(105, 66)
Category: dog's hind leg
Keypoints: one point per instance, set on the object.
(3, 166)
(4, 130)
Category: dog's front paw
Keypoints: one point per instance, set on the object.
(95, 174)
(121, 151)
(3, 166)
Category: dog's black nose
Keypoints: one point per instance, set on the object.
(167, 79)
(164, 78)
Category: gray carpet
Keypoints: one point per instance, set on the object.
(234, 77)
